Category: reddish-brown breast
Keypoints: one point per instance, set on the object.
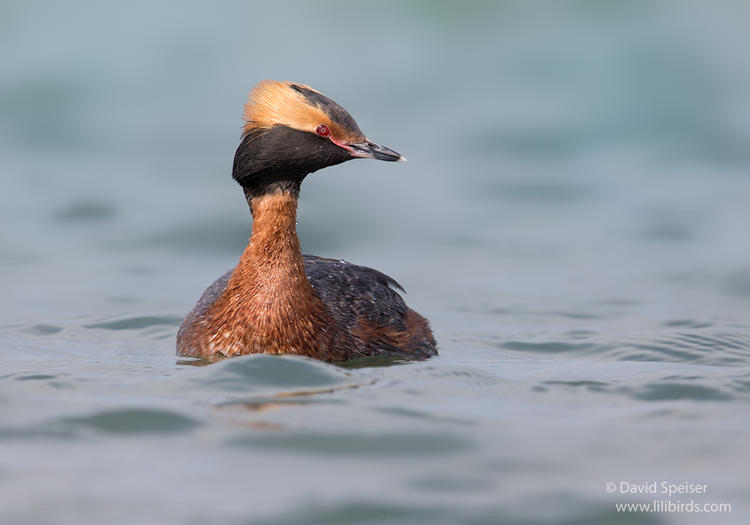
(268, 305)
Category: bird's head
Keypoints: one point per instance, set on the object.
(292, 130)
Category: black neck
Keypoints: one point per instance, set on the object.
(259, 174)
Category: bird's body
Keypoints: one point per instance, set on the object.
(277, 301)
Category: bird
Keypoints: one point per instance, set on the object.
(277, 300)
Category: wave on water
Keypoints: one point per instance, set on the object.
(692, 342)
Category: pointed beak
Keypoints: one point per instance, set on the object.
(370, 150)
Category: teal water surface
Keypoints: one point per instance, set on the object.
(572, 219)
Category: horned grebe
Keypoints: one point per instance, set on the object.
(276, 300)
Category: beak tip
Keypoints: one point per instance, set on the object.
(370, 150)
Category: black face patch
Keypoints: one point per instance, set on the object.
(338, 114)
(280, 157)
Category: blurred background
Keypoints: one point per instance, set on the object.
(608, 137)
(577, 189)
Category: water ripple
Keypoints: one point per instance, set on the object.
(551, 347)
(137, 323)
(118, 422)
(696, 345)
(382, 512)
(591, 386)
(671, 391)
(35, 377)
(358, 445)
(247, 373)
(43, 329)
(133, 421)
(720, 349)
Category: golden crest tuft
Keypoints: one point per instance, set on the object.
(272, 102)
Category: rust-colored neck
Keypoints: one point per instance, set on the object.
(273, 255)
(269, 306)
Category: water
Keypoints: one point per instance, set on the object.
(573, 220)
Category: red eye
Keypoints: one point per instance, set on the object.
(323, 130)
